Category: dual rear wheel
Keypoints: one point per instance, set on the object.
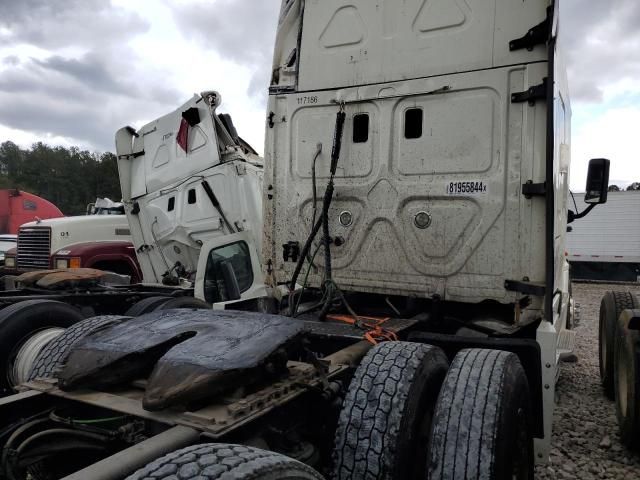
(619, 354)
(409, 415)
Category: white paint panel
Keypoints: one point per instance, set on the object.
(458, 133)
(471, 133)
(313, 125)
(355, 42)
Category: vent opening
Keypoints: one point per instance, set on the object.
(361, 128)
(413, 123)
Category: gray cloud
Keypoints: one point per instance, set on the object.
(42, 115)
(88, 117)
(242, 31)
(87, 96)
(80, 98)
(601, 42)
(49, 24)
(11, 60)
(90, 70)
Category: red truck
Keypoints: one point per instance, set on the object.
(18, 207)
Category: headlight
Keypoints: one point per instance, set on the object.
(10, 262)
(62, 263)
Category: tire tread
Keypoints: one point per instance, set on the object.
(215, 461)
(55, 354)
(613, 303)
(466, 422)
(373, 409)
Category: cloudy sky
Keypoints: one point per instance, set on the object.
(74, 71)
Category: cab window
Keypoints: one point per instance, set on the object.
(236, 255)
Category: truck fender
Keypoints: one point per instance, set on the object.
(96, 254)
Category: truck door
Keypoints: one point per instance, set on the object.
(229, 266)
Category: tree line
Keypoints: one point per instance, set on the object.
(68, 177)
(631, 188)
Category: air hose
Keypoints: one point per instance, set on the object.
(323, 221)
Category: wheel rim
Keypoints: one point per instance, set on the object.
(27, 351)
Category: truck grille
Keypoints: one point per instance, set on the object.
(34, 246)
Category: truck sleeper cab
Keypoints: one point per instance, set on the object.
(190, 183)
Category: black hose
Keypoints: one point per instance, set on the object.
(328, 198)
(323, 221)
(14, 436)
(93, 437)
(325, 230)
(337, 141)
(17, 454)
(305, 251)
(326, 240)
(313, 183)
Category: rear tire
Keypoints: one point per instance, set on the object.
(20, 321)
(215, 461)
(55, 354)
(482, 424)
(611, 306)
(386, 416)
(184, 302)
(145, 305)
(627, 385)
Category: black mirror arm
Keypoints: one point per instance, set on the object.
(572, 216)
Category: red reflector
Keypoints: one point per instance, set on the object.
(183, 134)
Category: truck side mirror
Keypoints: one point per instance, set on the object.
(597, 181)
(230, 281)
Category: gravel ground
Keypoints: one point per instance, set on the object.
(585, 442)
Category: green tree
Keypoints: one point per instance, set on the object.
(69, 177)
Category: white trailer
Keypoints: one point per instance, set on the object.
(606, 244)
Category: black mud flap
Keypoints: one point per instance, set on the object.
(187, 355)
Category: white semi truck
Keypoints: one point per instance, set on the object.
(191, 184)
(416, 293)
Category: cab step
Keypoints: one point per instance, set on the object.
(566, 342)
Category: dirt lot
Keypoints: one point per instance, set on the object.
(585, 438)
